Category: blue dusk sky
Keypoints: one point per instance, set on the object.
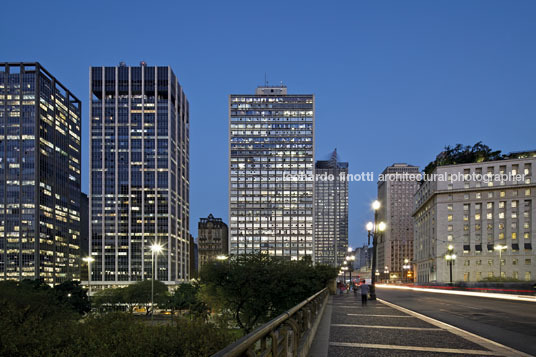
(395, 81)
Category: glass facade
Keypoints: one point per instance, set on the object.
(39, 175)
(331, 211)
(271, 139)
(139, 180)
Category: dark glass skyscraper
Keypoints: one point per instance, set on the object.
(331, 211)
(39, 175)
(139, 174)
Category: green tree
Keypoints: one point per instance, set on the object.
(184, 296)
(460, 154)
(133, 295)
(255, 288)
(72, 294)
(31, 311)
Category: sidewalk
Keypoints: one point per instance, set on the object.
(384, 329)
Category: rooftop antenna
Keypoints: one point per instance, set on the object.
(265, 80)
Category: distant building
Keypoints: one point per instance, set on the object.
(84, 234)
(84, 225)
(193, 257)
(331, 211)
(476, 208)
(40, 153)
(362, 257)
(271, 139)
(212, 239)
(396, 197)
(139, 182)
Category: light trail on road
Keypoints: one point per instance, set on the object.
(464, 293)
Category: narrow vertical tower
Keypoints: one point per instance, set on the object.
(139, 185)
(331, 211)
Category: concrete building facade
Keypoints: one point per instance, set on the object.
(212, 239)
(475, 208)
(396, 188)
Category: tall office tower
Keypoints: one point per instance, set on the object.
(139, 174)
(39, 175)
(271, 139)
(396, 197)
(485, 211)
(331, 211)
(213, 239)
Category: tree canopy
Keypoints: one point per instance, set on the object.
(459, 154)
(255, 288)
(37, 320)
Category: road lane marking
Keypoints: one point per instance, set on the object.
(466, 293)
(414, 348)
(482, 341)
(360, 307)
(380, 315)
(391, 327)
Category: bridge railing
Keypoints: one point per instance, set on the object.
(289, 334)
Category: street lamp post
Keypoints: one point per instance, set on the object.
(345, 268)
(155, 250)
(404, 268)
(88, 260)
(386, 272)
(350, 259)
(374, 230)
(500, 248)
(450, 258)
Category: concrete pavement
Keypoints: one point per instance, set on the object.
(383, 329)
(511, 323)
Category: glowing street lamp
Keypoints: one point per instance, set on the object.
(450, 257)
(406, 266)
(375, 230)
(500, 248)
(88, 260)
(156, 249)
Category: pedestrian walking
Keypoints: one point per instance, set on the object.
(364, 292)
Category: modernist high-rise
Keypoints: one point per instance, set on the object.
(395, 194)
(213, 239)
(139, 174)
(271, 139)
(486, 212)
(331, 211)
(39, 175)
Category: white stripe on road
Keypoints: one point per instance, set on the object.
(360, 307)
(414, 348)
(378, 315)
(391, 327)
(482, 341)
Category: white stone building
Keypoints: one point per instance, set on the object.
(475, 208)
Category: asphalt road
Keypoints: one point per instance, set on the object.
(511, 323)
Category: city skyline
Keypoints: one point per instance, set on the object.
(478, 77)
